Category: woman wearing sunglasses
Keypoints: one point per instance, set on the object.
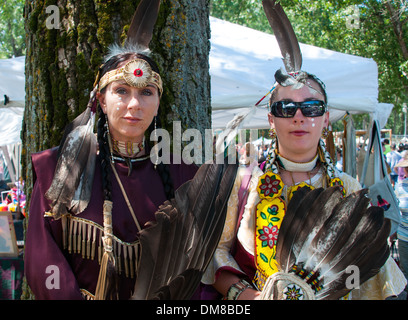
(297, 158)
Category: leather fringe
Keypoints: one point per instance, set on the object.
(89, 235)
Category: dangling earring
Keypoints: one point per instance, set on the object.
(108, 137)
(272, 133)
(156, 140)
(325, 132)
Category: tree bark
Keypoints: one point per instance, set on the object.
(398, 30)
(61, 64)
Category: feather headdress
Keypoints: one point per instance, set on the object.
(322, 236)
(290, 49)
(71, 186)
(178, 246)
(292, 60)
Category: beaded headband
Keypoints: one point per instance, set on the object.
(298, 79)
(137, 73)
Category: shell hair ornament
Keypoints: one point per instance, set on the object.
(137, 73)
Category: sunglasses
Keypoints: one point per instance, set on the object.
(287, 109)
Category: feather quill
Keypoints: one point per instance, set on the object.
(177, 247)
(285, 35)
(140, 32)
(321, 205)
(232, 128)
(294, 217)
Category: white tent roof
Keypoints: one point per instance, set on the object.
(12, 84)
(243, 62)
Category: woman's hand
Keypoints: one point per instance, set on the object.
(249, 294)
(227, 279)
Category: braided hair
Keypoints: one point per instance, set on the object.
(102, 128)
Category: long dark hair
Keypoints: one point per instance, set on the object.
(102, 131)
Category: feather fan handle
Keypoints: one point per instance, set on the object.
(106, 280)
(285, 35)
(141, 28)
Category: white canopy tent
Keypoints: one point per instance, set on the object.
(243, 62)
(12, 95)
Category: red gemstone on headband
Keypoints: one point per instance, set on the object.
(138, 72)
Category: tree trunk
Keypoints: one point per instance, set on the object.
(398, 28)
(62, 61)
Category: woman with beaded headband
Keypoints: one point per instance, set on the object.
(246, 254)
(85, 216)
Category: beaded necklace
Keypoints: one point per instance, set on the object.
(272, 206)
(127, 149)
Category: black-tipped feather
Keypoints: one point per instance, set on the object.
(337, 229)
(80, 120)
(286, 37)
(366, 230)
(83, 192)
(140, 32)
(369, 255)
(378, 248)
(319, 212)
(178, 246)
(77, 155)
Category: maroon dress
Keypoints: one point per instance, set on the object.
(62, 256)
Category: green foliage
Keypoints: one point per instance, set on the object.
(12, 42)
(248, 13)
